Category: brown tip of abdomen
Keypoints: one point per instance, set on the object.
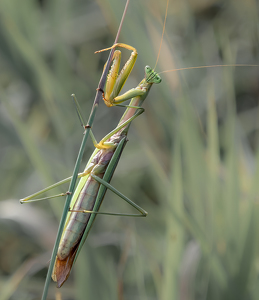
(62, 269)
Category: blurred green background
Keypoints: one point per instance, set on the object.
(191, 162)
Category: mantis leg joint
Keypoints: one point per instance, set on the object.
(101, 90)
(67, 193)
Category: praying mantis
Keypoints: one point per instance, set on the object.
(95, 179)
(112, 144)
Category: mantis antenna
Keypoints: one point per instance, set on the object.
(161, 41)
(212, 66)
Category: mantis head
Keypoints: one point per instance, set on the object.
(152, 76)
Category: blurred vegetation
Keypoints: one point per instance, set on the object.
(192, 160)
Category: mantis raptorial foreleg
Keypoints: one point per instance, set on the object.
(115, 80)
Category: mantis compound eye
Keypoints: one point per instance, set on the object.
(148, 69)
(157, 79)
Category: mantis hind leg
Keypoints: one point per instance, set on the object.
(106, 185)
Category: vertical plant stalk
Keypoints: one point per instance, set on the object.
(71, 189)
